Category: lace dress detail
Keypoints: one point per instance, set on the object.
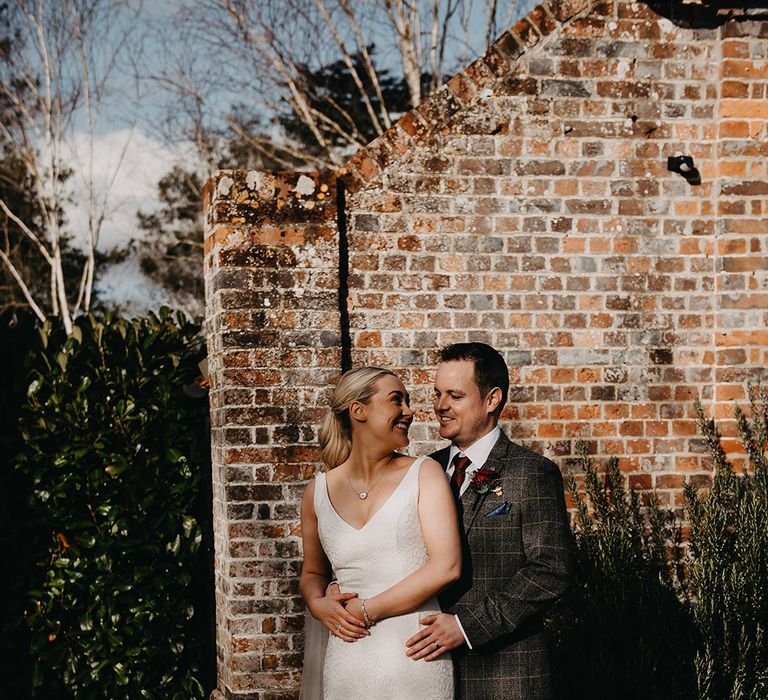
(369, 560)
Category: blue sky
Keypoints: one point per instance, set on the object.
(143, 136)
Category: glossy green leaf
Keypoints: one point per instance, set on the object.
(108, 451)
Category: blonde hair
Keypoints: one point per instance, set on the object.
(336, 430)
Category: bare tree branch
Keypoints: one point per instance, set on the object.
(438, 77)
(268, 147)
(285, 68)
(490, 22)
(60, 72)
(511, 11)
(267, 49)
(434, 37)
(371, 71)
(404, 17)
(26, 231)
(465, 22)
(351, 67)
(22, 285)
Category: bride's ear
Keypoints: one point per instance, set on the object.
(358, 412)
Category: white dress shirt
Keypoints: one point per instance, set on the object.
(478, 454)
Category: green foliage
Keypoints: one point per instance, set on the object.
(171, 252)
(644, 622)
(114, 481)
(625, 631)
(728, 567)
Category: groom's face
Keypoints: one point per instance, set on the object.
(463, 414)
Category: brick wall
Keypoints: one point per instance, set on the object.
(527, 204)
(274, 346)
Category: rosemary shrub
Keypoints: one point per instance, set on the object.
(625, 630)
(728, 562)
(650, 618)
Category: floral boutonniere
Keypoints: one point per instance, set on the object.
(485, 480)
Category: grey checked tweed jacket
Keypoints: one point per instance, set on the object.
(514, 566)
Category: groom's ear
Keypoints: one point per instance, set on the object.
(493, 399)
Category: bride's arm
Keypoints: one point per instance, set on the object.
(315, 575)
(440, 530)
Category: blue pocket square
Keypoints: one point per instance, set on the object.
(503, 509)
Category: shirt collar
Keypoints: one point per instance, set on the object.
(478, 451)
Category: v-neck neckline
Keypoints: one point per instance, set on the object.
(380, 508)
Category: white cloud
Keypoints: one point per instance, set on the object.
(127, 165)
(125, 287)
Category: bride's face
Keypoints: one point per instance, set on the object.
(388, 413)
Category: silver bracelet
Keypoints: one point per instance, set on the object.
(366, 619)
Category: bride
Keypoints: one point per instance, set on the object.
(385, 525)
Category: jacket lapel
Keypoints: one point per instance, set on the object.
(441, 457)
(497, 457)
(496, 461)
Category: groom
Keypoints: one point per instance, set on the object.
(516, 540)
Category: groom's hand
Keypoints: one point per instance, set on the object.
(441, 633)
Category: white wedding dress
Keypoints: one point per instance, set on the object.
(367, 561)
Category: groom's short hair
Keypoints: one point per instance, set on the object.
(490, 369)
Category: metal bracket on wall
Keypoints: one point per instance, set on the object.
(683, 165)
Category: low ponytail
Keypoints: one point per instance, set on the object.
(335, 434)
(335, 439)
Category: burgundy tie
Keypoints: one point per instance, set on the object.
(460, 464)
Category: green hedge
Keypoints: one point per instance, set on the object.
(112, 458)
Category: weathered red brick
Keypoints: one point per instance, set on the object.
(565, 9)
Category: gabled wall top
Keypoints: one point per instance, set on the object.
(475, 82)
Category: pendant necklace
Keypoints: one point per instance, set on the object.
(362, 495)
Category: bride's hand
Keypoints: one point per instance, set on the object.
(330, 611)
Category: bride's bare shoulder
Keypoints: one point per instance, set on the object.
(432, 464)
(311, 485)
(430, 469)
(406, 462)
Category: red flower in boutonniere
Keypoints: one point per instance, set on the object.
(485, 480)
